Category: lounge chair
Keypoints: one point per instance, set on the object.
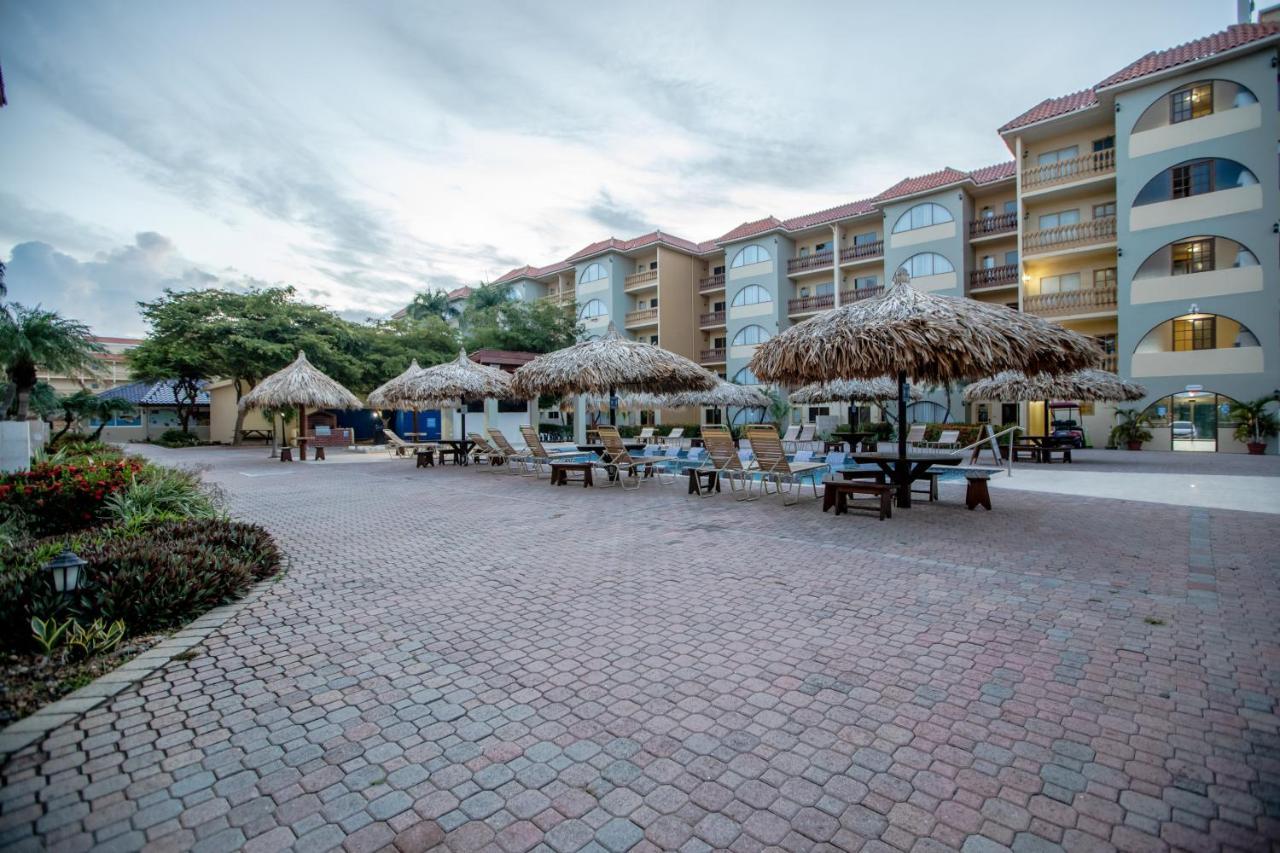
(481, 450)
(774, 467)
(915, 435)
(539, 456)
(517, 461)
(676, 436)
(948, 438)
(397, 446)
(622, 468)
(646, 435)
(790, 437)
(808, 436)
(724, 459)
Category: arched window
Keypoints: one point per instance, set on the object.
(594, 272)
(1192, 332)
(752, 254)
(927, 263)
(1203, 253)
(1195, 177)
(745, 377)
(1194, 100)
(922, 216)
(594, 308)
(752, 294)
(749, 336)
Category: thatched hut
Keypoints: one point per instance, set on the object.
(302, 385)
(609, 365)
(936, 339)
(851, 391)
(723, 396)
(1082, 385)
(455, 383)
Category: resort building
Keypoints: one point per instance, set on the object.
(1142, 211)
(111, 368)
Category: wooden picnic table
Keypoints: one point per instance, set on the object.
(918, 465)
(459, 448)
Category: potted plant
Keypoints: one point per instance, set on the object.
(1132, 430)
(881, 431)
(1254, 424)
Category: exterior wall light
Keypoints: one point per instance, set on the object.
(66, 571)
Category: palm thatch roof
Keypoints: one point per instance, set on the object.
(460, 379)
(723, 394)
(393, 394)
(299, 384)
(1096, 385)
(936, 339)
(607, 365)
(851, 391)
(634, 402)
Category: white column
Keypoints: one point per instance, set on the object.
(580, 419)
(835, 262)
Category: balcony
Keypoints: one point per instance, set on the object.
(991, 226)
(862, 252)
(810, 304)
(711, 283)
(809, 263)
(1094, 232)
(994, 277)
(564, 297)
(711, 318)
(1110, 363)
(1092, 300)
(640, 280)
(643, 317)
(711, 356)
(848, 296)
(1095, 164)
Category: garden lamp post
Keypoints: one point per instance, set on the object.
(66, 571)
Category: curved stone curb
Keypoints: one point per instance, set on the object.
(31, 729)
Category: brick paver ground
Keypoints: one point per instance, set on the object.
(471, 660)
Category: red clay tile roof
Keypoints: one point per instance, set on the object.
(750, 229)
(104, 340)
(525, 271)
(653, 238)
(503, 358)
(990, 174)
(831, 214)
(459, 292)
(1232, 37)
(923, 183)
(1052, 108)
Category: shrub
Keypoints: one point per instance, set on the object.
(558, 432)
(69, 439)
(177, 438)
(54, 497)
(160, 494)
(175, 572)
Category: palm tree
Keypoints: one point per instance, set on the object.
(106, 408)
(488, 296)
(74, 407)
(1254, 424)
(433, 303)
(32, 338)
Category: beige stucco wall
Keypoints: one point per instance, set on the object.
(1179, 210)
(1180, 288)
(1197, 131)
(677, 324)
(222, 413)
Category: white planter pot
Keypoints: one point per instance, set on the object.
(17, 443)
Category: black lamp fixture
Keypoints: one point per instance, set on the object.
(66, 570)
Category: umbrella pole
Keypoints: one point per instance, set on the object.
(463, 411)
(613, 413)
(904, 484)
(415, 424)
(302, 433)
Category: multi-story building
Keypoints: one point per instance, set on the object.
(111, 368)
(1142, 211)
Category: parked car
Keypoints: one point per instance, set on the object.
(1184, 429)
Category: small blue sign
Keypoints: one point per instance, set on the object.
(1162, 410)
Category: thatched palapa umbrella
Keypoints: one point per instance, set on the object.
(1082, 385)
(851, 391)
(936, 339)
(461, 379)
(302, 385)
(394, 394)
(608, 365)
(722, 396)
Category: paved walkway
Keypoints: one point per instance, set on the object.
(478, 661)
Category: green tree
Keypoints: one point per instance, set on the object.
(103, 409)
(179, 346)
(32, 338)
(431, 303)
(45, 402)
(386, 348)
(485, 296)
(523, 326)
(1254, 424)
(73, 407)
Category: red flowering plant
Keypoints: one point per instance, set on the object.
(61, 497)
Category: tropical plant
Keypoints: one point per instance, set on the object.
(96, 638)
(431, 303)
(1254, 424)
(160, 494)
(32, 338)
(45, 402)
(779, 408)
(73, 407)
(1131, 428)
(177, 438)
(48, 633)
(539, 327)
(105, 409)
(57, 498)
(484, 296)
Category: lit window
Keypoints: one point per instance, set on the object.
(927, 263)
(745, 377)
(594, 308)
(749, 336)
(1062, 217)
(752, 294)
(922, 216)
(752, 254)
(1192, 256)
(1060, 283)
(594, 272)
(1193, 102)
(1193, 334)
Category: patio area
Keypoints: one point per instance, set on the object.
(473, 660)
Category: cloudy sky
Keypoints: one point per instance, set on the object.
(363, 151)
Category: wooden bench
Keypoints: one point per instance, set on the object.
(977, 493)
(1047, 451)
(263, 434)
(426, 459)
(560, 473)
(836, 493)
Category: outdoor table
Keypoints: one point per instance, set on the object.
(836, 492)
(560, 473)
(918, 463)
(458, 447)
(703, 479)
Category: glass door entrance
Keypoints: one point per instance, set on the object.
(1194, 421)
